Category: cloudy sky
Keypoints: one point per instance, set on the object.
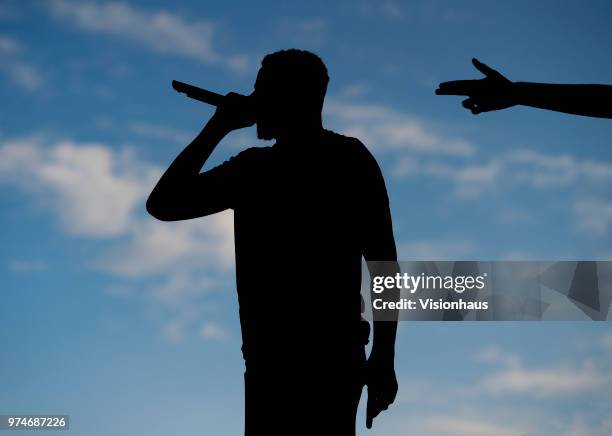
(109, 314)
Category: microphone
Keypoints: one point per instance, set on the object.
(199, 94)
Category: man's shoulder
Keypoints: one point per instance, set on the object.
(343, 140)
(351, 146)
(251, 154)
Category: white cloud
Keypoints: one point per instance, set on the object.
(181, 286)
(240, 63)
(154, 247)
(581, 426)
(174, 331)
(213, 331)
(383, 128)
(545, 171)
(520, 169)
(542, 170)
(178, 330)
(547, 381)
(419, 150)
(495, 355)
(405, 166)
(606, 341)
(161, 133)
(389, 9)
(593, 216)
(94, 190)
(470, 180)
(523, 168)
(312, 32)
(393, 9)
(26, 266)
(475, 402)
(453, 426)
(9, 45)
(354, 90)
(22, 73)
(161, 31)
(459, 415)
(100, 192)
(514, 378)
(435, 250)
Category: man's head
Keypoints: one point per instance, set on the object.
(289, 92)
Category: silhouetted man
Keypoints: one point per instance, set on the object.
(305, 212)
(495, 92)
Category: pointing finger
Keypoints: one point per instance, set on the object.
(369, 413)
(456, 87)
(373, 409)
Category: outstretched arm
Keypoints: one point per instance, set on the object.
(587, 100)
(183, 192)
(495, 91)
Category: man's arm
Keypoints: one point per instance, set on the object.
(183, 192)
(380, 246)
(381, 251)
(495, 91)
(381, 379)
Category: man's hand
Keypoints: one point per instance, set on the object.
(382, 386)
(491, 93)
(183, 192)
(236, 112)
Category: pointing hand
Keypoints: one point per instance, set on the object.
(493, 92)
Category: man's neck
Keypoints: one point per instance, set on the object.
(301, 136)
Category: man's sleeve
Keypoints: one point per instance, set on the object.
(379, 243)
(219, 188)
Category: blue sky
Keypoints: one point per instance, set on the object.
(122, 321)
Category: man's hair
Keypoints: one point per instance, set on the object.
(302, 70)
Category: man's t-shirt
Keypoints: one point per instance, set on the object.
(304, 215)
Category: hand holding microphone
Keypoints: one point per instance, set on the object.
(234, 111)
